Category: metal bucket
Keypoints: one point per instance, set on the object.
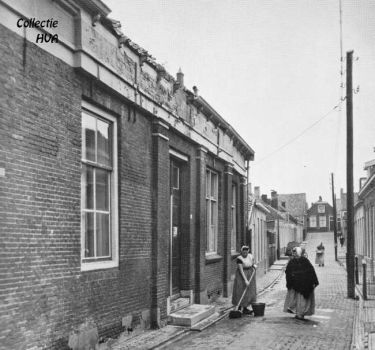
(258, 308)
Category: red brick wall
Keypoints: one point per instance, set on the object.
(44, 293)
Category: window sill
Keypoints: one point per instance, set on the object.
(212, 258)
(98, 265)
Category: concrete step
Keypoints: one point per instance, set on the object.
(191, 315)
(179, 304)
(277, 267)
(200, 326)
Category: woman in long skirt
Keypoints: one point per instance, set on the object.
(319, 259)
(301, 280)
(245, 270)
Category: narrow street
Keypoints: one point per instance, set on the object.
(330, 328)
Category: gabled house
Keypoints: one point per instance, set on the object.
(320, 217)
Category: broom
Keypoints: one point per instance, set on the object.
(237, 313)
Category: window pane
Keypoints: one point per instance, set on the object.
(213, 185)
(88, 185)
(88, 137)
(175, 177)
(104, 156)
(102, 189)
(208, 184)
(89, 235)
(102, 235)
(208, 225)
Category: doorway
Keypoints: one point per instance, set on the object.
(175, 228)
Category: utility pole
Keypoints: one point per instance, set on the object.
(334, 215)
(349, 175)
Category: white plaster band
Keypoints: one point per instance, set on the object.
(161, 135)
(159, 122)
(178, 155)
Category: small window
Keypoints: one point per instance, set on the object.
(322, 221)
(211, 211)
(175, 177)
(312, 221)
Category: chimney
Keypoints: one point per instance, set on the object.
(180, 78)
(320, 199)
(257, 192)
(195, 89)
(264, 198)
(274, 199)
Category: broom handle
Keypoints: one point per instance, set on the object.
(243, 294)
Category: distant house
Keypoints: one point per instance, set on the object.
(261, 242)
(281, 223)
(320, 217)
(296, 204)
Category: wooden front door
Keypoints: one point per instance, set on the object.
(175, 190)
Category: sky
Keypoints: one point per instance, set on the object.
(271, 68)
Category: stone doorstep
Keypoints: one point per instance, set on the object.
(179, 304)
(191, 315)
(276, 267)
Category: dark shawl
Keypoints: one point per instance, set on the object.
(301, 276)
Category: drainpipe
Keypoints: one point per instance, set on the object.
(247, 204)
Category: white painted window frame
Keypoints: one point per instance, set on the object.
(114, 261)
(313, 219)
(212, 232)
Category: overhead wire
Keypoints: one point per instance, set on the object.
(301, 133)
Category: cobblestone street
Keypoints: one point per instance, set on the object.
(330, 328)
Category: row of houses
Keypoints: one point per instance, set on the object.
(272, 225)
(364, 219)
(121, 190)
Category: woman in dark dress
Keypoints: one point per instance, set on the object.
(301, 280)
(245, 269)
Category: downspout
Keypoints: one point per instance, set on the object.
(247, 205)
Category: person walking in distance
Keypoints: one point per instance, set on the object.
(342, 240)
(319, 259)
(245, 269)
(301, 281)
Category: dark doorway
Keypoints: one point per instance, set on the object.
(175, 200)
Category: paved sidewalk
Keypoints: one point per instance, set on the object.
(150, 339)
(364, 321)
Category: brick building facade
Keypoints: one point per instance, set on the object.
(320, 217)
(119, 187)
(364, 218)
